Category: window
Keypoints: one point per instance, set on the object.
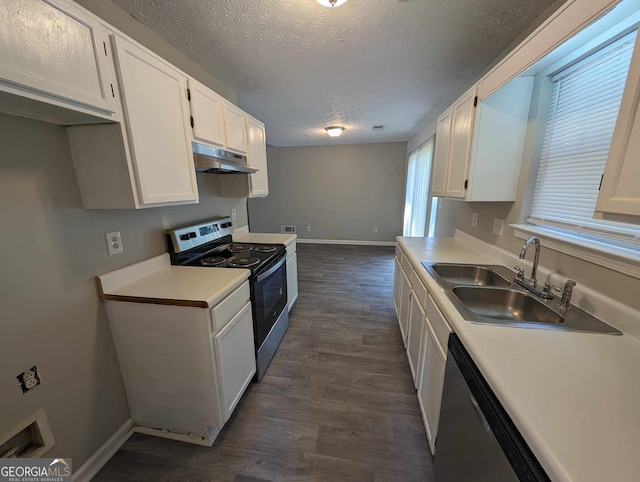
(417, 194)
(582, 116)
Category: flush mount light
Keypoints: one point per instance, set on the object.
(334, 131)
(331, 3)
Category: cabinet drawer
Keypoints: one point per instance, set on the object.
(419, 288)
(438, 324)
(222, 313)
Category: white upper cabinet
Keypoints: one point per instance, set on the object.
(54, 53)
(462, 113)
(257, 158)
(207, 114)
(479, 144)
(441, 155)
(250, 185)
(155, 107)
(620, 189)
(146, 160)
(498, 142)
(236, 128)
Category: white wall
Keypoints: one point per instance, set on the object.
(342, 192)
(52, 316)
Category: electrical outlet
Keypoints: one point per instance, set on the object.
(474, 220)
(308, 229)
(498, 226)
(233, 214)
(114, 242)
(29, 379)
(375, 230)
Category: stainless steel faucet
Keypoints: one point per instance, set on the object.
(531, 284)
(536, 257)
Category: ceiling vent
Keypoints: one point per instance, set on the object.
(378, 128)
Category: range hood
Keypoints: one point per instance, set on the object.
(218, 161)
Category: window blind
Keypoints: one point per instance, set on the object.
(582, 116)
(417, 193)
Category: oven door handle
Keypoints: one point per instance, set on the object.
(271, 270)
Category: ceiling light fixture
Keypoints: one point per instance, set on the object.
(334, 131)
(331, 3)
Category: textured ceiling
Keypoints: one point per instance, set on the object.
(299, 67)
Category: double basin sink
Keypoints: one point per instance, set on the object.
(487, 294)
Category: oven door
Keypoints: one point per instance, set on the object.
(270, 297)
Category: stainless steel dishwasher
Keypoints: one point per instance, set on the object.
(477, 441)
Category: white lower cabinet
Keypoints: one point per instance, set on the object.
(414, 340)
(405, 306)
(234, 368)
(431, 385)
(184, 368)
(425, 333)
(396, 286)
(292, 275)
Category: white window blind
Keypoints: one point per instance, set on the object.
(417, 193)
(579, 128)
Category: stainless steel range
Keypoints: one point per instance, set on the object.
(210, 245)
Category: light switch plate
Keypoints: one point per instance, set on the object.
(498, 226)
(114, 242)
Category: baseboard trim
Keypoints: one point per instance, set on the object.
(345, 241)
(98, 460)
(203, 441)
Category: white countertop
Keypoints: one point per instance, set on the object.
(575, 397)
(156, 281)
(267, 238)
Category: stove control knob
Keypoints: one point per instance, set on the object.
(184, 237)
(192, 234)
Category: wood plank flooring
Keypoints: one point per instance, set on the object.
(336, 404)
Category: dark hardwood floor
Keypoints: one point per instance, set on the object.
(336, 404)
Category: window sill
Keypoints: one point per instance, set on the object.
(623, 260)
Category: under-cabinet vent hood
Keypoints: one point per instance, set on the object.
(218, 161)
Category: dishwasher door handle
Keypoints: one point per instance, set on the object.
(481, 417)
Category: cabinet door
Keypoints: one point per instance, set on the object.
(620, 190)
(405, 306)
(463, 113)
(235, 360)
(397, 281)
(292, 280)
(53, 47)
(236, 128)
(441, 155)
(207, 112)
(431, 384)
(414, 342)
(257, 158)
(157, 118)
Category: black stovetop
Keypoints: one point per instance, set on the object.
(226, 254)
